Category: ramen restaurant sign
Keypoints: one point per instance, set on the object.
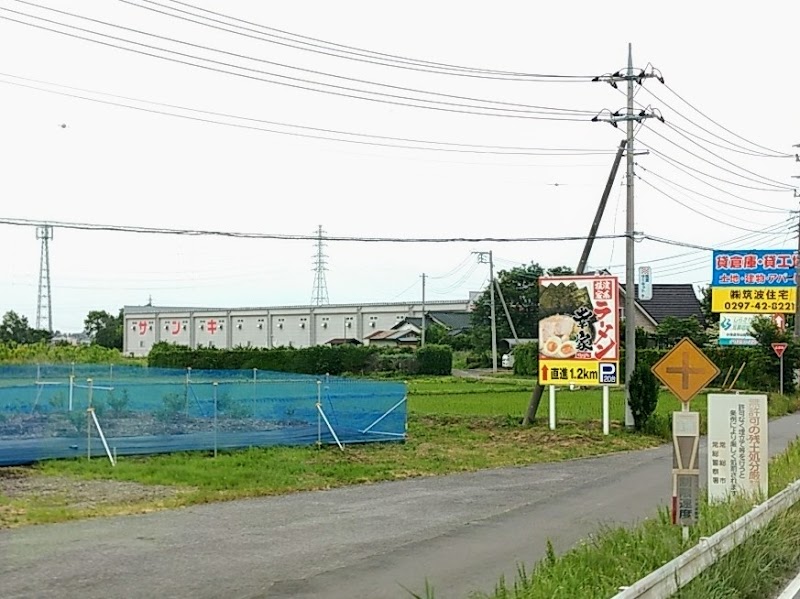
(578, 330)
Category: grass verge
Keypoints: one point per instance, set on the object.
(620, 556)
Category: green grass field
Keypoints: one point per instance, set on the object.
(454, 425)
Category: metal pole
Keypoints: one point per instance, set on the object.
(255, 381)
(422, 340)
(71, 390)
(319, 414)
(552, 407)
(781, 374)
(89, 410)
(606, 411)
(494, 323)
(797, 282)
(630, 293)
(215, 418)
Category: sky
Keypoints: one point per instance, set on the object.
(248, 159)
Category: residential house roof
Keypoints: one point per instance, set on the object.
(671, 299)
(343, 341)
(454, 322)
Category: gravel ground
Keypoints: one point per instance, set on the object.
(75, 493)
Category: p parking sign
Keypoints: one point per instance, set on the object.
(608, 373)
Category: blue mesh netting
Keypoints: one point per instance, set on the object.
(43, 410)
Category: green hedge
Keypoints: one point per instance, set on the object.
(761, 367)
(435, 359)
(319, 359)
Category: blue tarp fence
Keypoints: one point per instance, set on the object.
(46, 410)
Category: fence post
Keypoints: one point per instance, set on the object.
(89, 409)
(215, 418)
(255, 382)
(71, 390)
(188, 381)
(319, 414)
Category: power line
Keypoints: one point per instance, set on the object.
(282, 236)
(289, 81)
(306, 70)
(671, 162)
(769, 209)
(359, 54)
(767, 180)
(444, 146)
(686, 134)
(663, 156)
(688, 207)
(698, 111)
(741, 148)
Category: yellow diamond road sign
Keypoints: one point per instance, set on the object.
(685, 370)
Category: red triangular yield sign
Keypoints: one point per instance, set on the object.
(779, 348)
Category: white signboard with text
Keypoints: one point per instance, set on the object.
(736, 329)
(737, 446)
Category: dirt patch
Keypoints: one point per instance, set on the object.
(76, 493)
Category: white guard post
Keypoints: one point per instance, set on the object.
(552, 407)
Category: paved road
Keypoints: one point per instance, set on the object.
(461, 532)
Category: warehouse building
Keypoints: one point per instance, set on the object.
(283, 326)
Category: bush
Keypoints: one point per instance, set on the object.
(644, 394)
(526, 359)
(435, 359)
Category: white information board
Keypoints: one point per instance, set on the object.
(737, 446)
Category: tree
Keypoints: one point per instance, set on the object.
(15, 329)
(520, 287)
(672, 329)
(104, 329)
(711, 318)
(766, 333)
(436, 334)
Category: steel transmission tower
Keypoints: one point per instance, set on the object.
(44, 306)
(319, 295)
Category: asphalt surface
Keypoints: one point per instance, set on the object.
(460, 532)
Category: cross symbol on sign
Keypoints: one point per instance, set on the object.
(684, 370)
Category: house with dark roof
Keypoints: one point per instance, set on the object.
(669, 299)
(393, 338)
(454, 322)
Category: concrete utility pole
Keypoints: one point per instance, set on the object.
(630, 295)
(630, 117)
(484, 257)
(422, 339)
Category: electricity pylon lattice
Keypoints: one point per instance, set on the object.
(44, 306)
(319, 295)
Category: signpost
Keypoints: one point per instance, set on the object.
(779, 320)
(645, 283)
(779, 349)
(737, 446)
(578, 334)
(735, 329)
(685, 370)
(754, 281)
